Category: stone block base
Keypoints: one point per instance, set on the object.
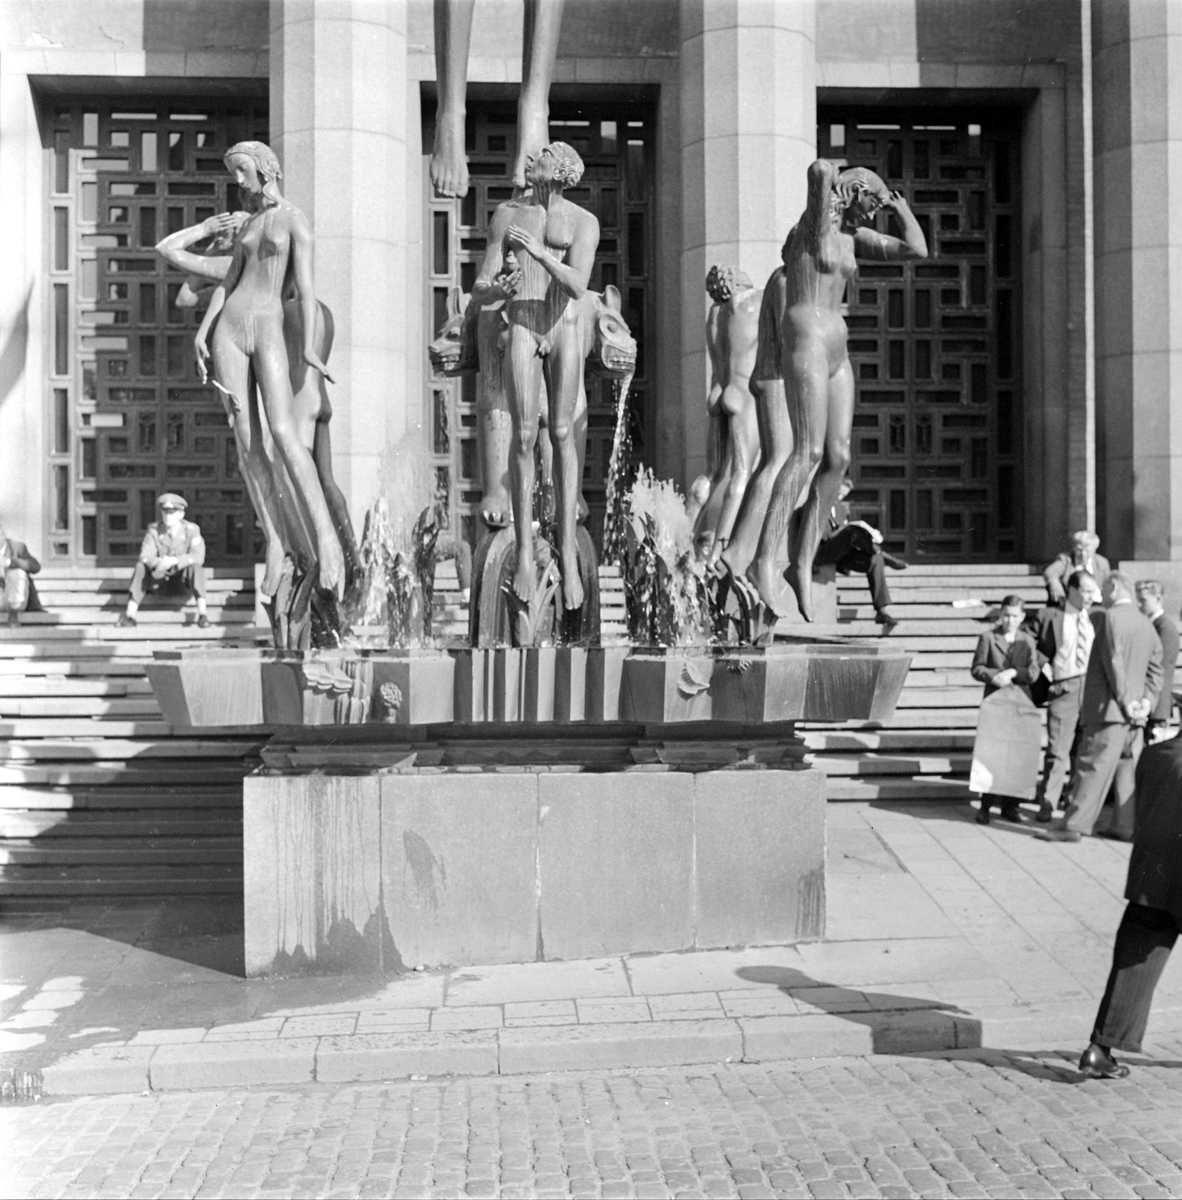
(380, 872)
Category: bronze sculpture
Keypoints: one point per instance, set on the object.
(453, 32)
(282, 419)
(732, 339)
(803, 364)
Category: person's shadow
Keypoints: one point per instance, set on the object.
(885, 1014)
(890, 1018)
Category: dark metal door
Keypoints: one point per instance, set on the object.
(935, 344)
(135, 419)
(616, 143)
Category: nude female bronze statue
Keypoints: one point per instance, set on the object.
(272, 253)
(541, 250)
(453, 33)
(205, 251)
(803, 381)
(732, 339)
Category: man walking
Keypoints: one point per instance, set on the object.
(171, 560)
(1120, 691)
(1152, 919)
(1149, 601)
(1065, 638)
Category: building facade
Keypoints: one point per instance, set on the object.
(1016, 385)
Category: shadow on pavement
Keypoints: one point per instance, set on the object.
(880, 1012)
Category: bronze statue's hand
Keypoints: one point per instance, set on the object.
(201, 350)
(522, 239)
(313, 360)
(897, 202)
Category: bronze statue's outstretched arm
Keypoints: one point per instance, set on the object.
(869, 243)
(818, 214)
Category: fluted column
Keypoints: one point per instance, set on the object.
(748, 129)
(339, 126)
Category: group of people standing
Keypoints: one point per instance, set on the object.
(1101, 658)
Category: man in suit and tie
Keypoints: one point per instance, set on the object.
(1065, 637)
(1153, 918)
(1150, 594)
(1081, 557)
(1120, 691)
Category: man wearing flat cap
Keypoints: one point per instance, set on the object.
(171, 560)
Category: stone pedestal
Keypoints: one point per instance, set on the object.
(376, 873)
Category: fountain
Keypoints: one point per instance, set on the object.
(535, 793)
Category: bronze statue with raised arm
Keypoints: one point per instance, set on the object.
(276, 434)
(801, 322)
(541, 250)
(453, 34)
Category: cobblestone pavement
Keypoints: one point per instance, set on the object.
(966, 1124)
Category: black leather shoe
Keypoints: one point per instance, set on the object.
(896, 564)
(126, 622)
(203, 622)
(1097, 1063)
(1043, 816)
(1013, 815)
(982, 818)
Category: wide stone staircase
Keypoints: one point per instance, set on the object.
(100, 798)
(924, 750)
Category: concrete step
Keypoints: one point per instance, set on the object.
(901, 741)
(101, 881)
(121, 852)
(123, 749)
(12, 686)
(49, 824)
(904, 790)
(148, 636)
(163, 773)
(92, 615)
(198, 796)
(79, 707)
(57, 668)
(872, 764)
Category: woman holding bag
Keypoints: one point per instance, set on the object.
(1006, 657)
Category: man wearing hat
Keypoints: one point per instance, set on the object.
(171, 560)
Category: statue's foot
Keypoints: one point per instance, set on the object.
(273, 572)
(449, 163)
(525, 579)
(533, 133)
(572, 583)
(801, 582)
(495, 509)
(332, 568)
(772, 590)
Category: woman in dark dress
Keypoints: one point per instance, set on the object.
(1005, 657)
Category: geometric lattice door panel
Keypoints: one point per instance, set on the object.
(934, 344)
(144, 422)
(616, 142)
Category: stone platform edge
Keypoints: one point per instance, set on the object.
(186, 1065)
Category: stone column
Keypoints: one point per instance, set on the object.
(24, 478)
(1137, 81)
(339, 126)
(748, 134)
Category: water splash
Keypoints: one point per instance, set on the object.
(615, 522)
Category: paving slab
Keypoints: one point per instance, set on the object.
(942, 936)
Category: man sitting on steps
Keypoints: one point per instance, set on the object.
(171, 560)
(17, 591)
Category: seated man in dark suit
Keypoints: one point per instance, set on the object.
(1149, 600)
(1120, 691)
(1153, 917)
(18, 593)
(854, 546)
(1081, 557)
(1064, 641)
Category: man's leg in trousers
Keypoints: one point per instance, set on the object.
(880, 594)
(1062, 719)
(1095, 766)
(139, 583)
(1121, 819)
(1143, 944)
